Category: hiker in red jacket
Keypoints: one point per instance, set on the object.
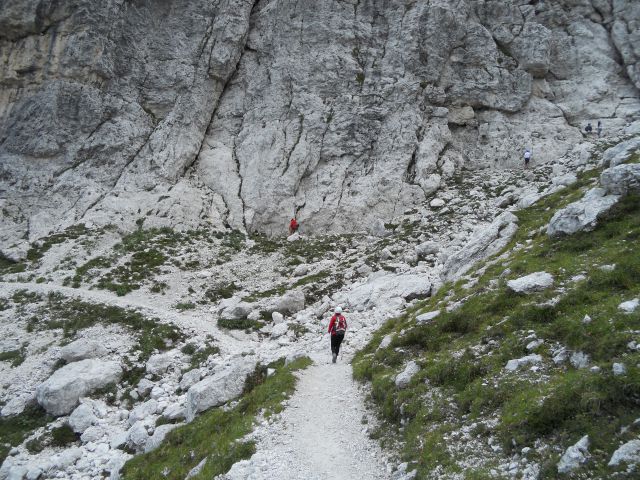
(337, 328)
(293, 226)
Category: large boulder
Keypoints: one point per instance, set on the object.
(157, 438)
(621, 179)
(290, 303)
(583, 214)
(628, 453)
(159, 363)
(380, 289)
(60, 393)
(82, 349)
(574, 456)
(620, 153)
(534, 282)
(484, 242)
(225, 384)
(234, 309)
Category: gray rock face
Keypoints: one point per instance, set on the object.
(82, 418)
(60, 393)
(82, 349)
(291, 302)
(621, 179)
(583, 214)
(159, 363)
(226, 384)
(157, 438)
(516, 363)
(574, 456)
(628, 453)
(403, 378)
(382, 289)
(484, 242)
(533, 282)
(620, 153)
(240, 113)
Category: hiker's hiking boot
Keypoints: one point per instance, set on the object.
(334, 358)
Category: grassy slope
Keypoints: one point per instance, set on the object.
(462, 353)
(217, 434)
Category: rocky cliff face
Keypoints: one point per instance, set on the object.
(241, 113)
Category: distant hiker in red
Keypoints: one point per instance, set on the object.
(293, 226)
(337, 327)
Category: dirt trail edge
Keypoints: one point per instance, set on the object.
(320, 434)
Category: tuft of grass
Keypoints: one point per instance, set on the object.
(200, 354)
(182, 306)
(15, 357)
(13, 430)
(220, 291)
(217, 434)
(63, 436)
(239, 324)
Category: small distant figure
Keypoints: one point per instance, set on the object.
(527, 157)
(293, 226)
(337, 329)
(599, 128)
(588, 128)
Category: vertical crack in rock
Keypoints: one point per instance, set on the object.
(295, 143)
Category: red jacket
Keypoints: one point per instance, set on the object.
(293, 225)
(334, 323)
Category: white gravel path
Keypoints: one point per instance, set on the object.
(320, 434)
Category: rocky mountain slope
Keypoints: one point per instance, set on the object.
(243, 113)
(121, 352)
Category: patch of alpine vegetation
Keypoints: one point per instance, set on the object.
(71, 316)
(212, 442)
(528, 367)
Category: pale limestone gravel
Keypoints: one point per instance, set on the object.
(320, 434)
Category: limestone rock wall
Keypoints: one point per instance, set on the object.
(241, 113)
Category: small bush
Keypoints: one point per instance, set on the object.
(63, 436)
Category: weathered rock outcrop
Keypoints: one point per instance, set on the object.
(244, 112)
(60, 393)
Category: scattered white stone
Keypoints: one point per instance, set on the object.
(82, 418)
(516, 363)
(279, 329)
(403, 378)
(386, 254)
(579, 360)
(277, 317)
(291, 302)
(619, 369)
(159, 363)
(427, 317)
(628, 453)
(293, 238)
(534, 344)
(190, 378)
(574, 456)
(437, 203)
(583, 214)
(144, 387)
(386, 341)
(533, 282)
(301, 270)
(586, 320)
(629, 306)
(595, 369)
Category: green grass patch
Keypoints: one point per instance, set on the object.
(216, 434)
(463, 352)
(13, 430)
(72, 315)
(240, 324)
(182, 306)
(14, 357)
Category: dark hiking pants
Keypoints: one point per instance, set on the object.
(336, 340)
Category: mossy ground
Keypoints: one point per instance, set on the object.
(462, 353)
(217, 434)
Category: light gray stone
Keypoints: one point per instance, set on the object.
(629, 306)
(155, 440)
(301, 270)
(574, 456)
(579, 360)
(224, 385)
(427, 317)
(517, 363)
(620, 153)
(534, 282)
(159, 363)
(137, 436)
(619, 369)
(485, 241)
(427, 248)
(402, 379)
(291, 302)
(59, 394)
(277, 317)
(621, 179)
(82, 349)
(386, 341)
(143, 411)
(581, 215)
(82, 418)
(190, 378)
(628, 453)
